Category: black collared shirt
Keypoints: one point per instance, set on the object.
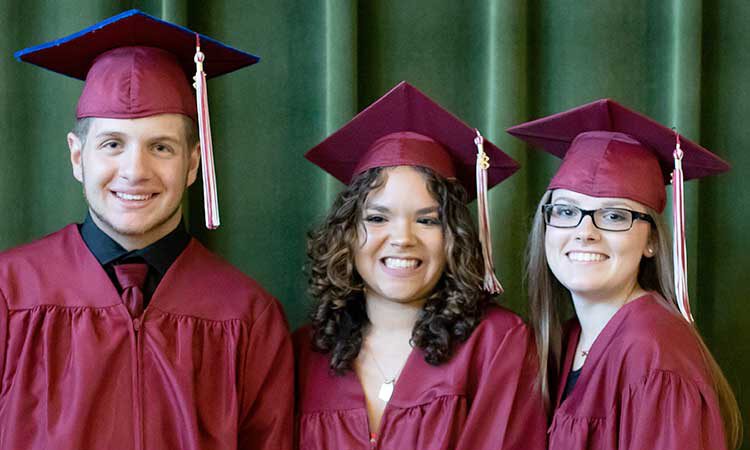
(159, 256)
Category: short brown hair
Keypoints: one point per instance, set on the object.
(82, 125)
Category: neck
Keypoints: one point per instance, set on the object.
(392, 318)
(594, 311)
(135, 241)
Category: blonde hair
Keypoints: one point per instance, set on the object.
(550, 301)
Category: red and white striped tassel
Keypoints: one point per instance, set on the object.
(491, 283)
(210, 197)
(678, 234)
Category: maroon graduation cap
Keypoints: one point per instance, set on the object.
(406, 128)
(609, 150)
(135, 65)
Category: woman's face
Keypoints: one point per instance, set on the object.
(596, 264)
(400, 254)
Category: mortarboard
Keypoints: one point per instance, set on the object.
(609, 150)
(135, 65)
(405, 127)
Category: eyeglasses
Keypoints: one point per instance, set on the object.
(607, 219)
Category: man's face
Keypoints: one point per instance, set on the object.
(134, 173)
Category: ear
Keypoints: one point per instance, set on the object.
(193, 164)
(76, 155)
(651, 247)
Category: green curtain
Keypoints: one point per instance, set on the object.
(493, 63)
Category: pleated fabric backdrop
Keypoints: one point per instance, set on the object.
(493, 63)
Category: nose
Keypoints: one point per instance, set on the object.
(402, 234)
(586, 231)
(134, 165)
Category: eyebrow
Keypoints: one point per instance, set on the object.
(116, 134)
(616, 204)
(165, 137)
(377, 208)
(108, 134)
(565, 199)
(609, 204)
(384, 209)
(429, 210)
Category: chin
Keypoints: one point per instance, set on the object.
(135, 227)
(401, 297)
(582, 287)
(133, 230)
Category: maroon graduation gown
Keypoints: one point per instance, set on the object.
(644, 385)
(208, 366)
(483, 398)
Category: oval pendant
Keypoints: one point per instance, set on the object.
(386, 391)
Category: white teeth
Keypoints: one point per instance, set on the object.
(398, 263)
(586, 257)
(125, 196)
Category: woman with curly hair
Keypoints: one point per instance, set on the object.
(630, 370)
(405, 350)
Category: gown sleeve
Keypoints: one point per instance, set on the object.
(669, 412)
(267, 385)
(506, 411)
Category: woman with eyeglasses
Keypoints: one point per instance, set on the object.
(629, 370)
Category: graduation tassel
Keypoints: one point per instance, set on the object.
(678, 233)
(210, 197)
(491, 283)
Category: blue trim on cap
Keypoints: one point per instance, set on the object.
(133, 12)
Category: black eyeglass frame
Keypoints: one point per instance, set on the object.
(634, 215)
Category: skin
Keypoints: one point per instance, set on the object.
(134, 173)
(403, 230)
(599, 288)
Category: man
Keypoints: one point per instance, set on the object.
(124, 332)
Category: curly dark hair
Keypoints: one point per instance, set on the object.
(450, 314)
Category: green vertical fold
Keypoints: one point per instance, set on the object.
(340, 73)
(504, 103)
(684, 113)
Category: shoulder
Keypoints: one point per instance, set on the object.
(308, 359)
(217, 290)
(312, 367)
(651, 326)
(25, 271)
(215, 270)
(38, 252)
(500, 334)
(654, 337)
(499, 323)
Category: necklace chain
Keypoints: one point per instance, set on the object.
(382, 372)
(585, 352)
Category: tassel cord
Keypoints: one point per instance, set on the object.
(678, 232)
(491, 283)
(210, 196)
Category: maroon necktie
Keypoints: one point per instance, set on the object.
(131, 278)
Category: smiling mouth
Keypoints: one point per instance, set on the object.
(586, 257)
(401, 263)
(133, 197)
